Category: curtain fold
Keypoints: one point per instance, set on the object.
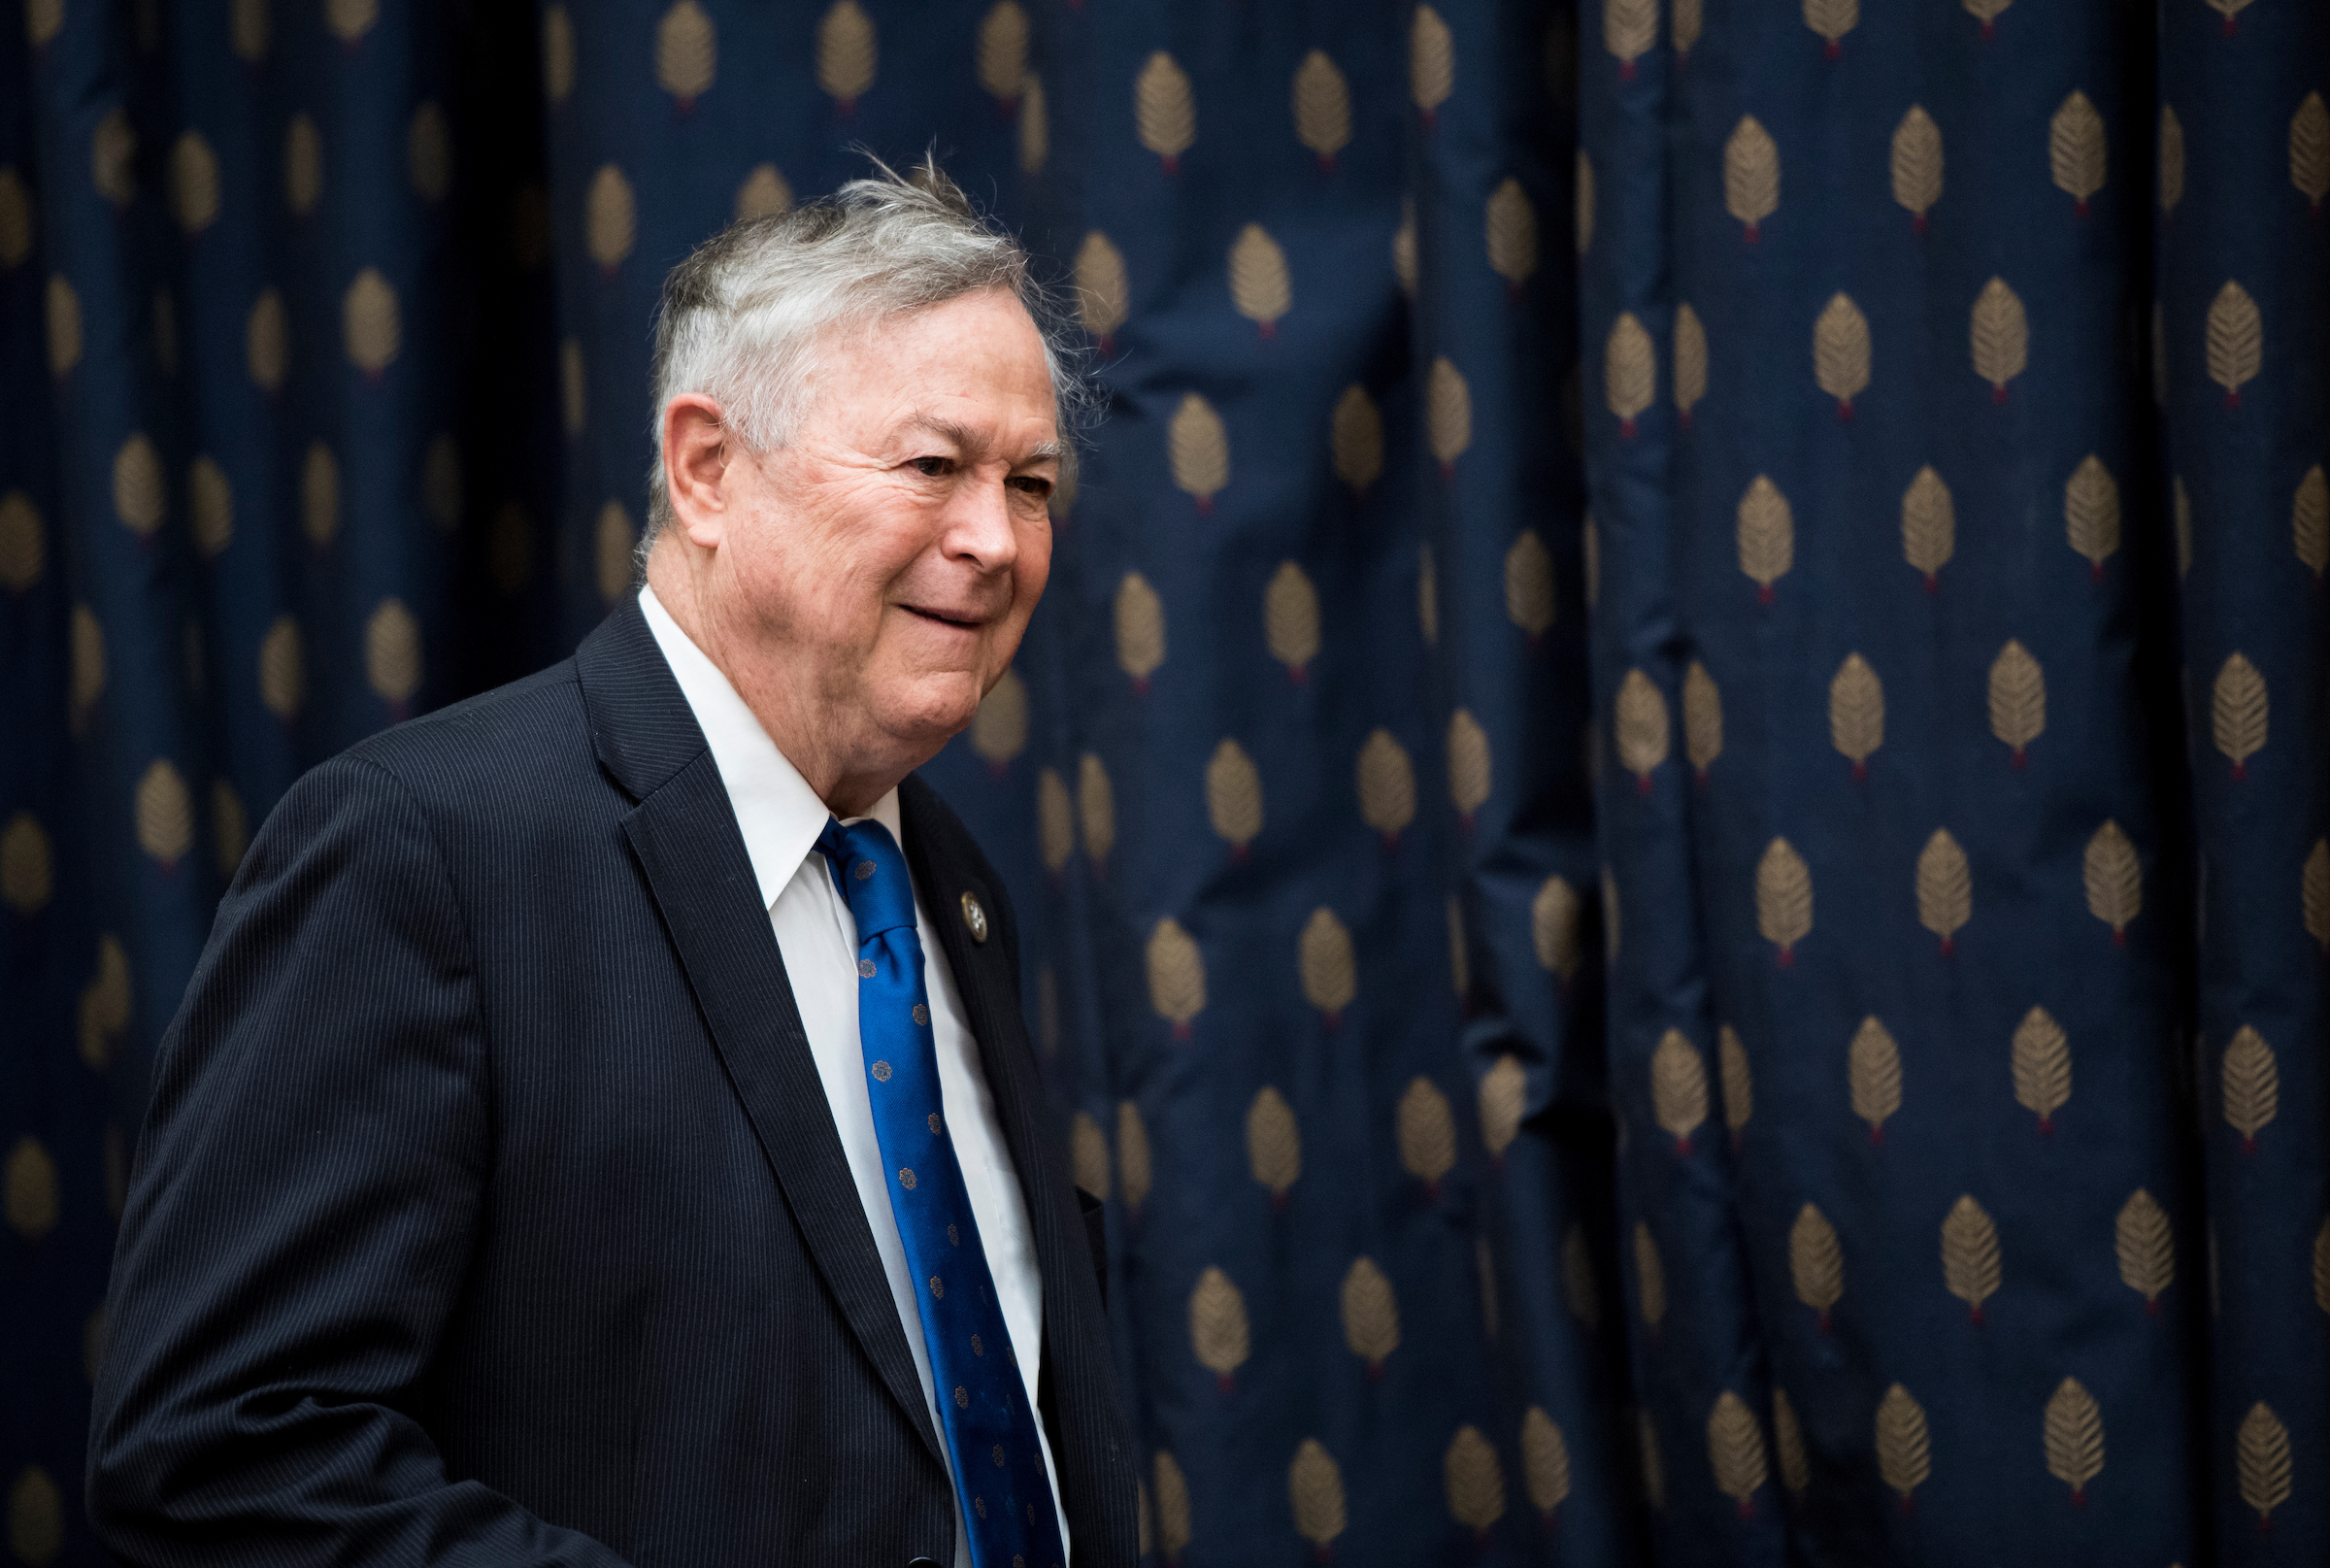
(1669, 806)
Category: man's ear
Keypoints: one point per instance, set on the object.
(695, 466)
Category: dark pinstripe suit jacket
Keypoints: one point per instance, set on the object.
(489, 1210)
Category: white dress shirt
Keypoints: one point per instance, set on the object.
(780, 818)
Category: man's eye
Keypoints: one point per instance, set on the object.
(1032, 485)
(933, 467)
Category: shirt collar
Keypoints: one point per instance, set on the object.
(778, 812)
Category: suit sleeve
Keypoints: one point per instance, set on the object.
(307, 1195)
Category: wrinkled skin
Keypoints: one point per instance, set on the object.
(864, 585)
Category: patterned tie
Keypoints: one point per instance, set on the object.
(990, 1431)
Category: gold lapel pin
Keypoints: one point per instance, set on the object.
(975, 918)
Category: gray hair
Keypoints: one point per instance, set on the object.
(740, 319)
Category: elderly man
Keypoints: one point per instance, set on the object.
(601, 1129)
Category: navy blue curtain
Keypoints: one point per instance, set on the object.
(1670, 803)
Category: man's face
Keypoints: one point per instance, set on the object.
(888, 557)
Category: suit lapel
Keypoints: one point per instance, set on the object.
(684, 834)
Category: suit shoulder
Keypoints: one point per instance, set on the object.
(501, 745)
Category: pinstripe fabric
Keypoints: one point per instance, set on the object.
(488, 1209)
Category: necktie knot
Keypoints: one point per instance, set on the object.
(871, 875)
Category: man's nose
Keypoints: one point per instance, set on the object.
(978, 522)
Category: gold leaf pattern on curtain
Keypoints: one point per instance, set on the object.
(1290, 620)
(2017, 699)
(248, 30)
(1640, 727)
(1448, 414)
(1233, 797)
(1840, 353)
(1629, 371)
(1197, 446)
(1426, 1133)
(283, 669)
(2075, 149)
(1857, 713)
(24, 544)
(1469, 765)
(1751, 176)
(2250, 1087)
(1403, 248)
(999, 727)
(1474, 1481)
(1431, 63)
(848, 55)
(1735, 1450)
(2113, 879)
(2180, 520)
(2315, 900)
(616, 541)
(2073, 1428)
(193, 182)
(303, 165)
(27, 865)
(1690, 362)
(2042, 1066)
(1510, 235)
(30, 1186)
(2145, 1245)
(1055, 820)
(114, 158)
(1929, 526)
(2000, 336)
(1259, 287)
(1328, 967)
(1133, 1170)
(1816, 1262)
(1795, 1470)
(1459, 967)
(16, 217)
(1219, 1336)
(1529, 585)
(1035, 126)
(1685, 27)
(1916, 165)
(687, 53)
(1556, 927)
(1273, 1144)
(1766, 536)
(163, 810)
(1356, 439)
(1314, 1489)
(1678, 1088)
(2310, 522)
(1577, 1287)
(1589, 559)
(2309, 150)
(2261, 1446)
(999, 53)
(1873, 1074)
(1321, 100)
(1903, 1457)
(557, 54)
(1784, 899)
(107, 1003)
(764, 193)
(2228, 9)
(1987, 13)
(1970, 1268)
(1832, 19)
(1504, 1101)
(319, 495)
(1649, 1279)
(1371, 1315)
(1738, 1083)
(1386, 785)
(1102, 295)
(2238, 712)
(2091, 513)
(1088, 1152)
(1629, 31)
(393, 653)
(371, 323)
(610, 217)
(141, 496)
(1176, 976)
(1609, 914)
(1945, 889)
(85, 680)
(1701, 719)
(350, 19)
(211, 499)
(1545, 1462)
(1173, 1506)
(2236, 346)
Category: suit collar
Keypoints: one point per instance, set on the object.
(640, 726)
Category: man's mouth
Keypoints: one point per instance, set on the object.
(967, 622)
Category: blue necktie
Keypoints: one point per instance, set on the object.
(982, 1400)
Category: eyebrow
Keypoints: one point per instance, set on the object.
(947, 430)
